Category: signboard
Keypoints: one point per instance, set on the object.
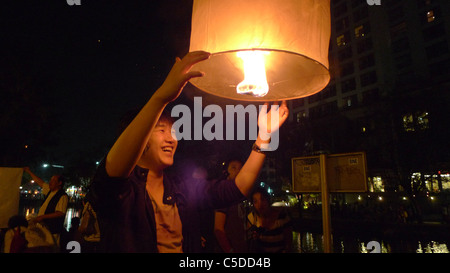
(306, 174)
(347, 172)
(344, 173)
(329, 173)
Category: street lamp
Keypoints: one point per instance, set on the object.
(46, 165)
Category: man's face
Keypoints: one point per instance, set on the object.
(233, 169)
(54, 183)
(161, 147)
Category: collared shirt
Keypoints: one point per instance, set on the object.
(127, 218)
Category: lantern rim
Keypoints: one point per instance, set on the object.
(251, 98)
(273, 50)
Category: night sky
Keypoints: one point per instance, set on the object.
(86, 66)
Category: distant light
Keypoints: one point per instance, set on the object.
(287, 191)
(32, 181)
(380, 198)
(26, 146)
(97, 162)
(45, 165)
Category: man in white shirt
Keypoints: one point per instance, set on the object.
(53, 211)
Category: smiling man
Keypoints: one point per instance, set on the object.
(142, 208)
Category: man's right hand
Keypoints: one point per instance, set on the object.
(179, 75)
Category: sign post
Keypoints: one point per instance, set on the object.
(326, 217)
(329, 173)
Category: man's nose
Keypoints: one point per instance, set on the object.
(169, 137)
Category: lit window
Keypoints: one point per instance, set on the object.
(422, 120)
(408, 123)
(418, 121)
(359, 31)
(376, 184)
(300, 115)
(430, 16)
(350, 101)
(341, 40)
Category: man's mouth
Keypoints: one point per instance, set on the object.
(167, 149)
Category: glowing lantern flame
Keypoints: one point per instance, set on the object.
(255, 81)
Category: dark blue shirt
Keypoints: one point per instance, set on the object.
(126, 216)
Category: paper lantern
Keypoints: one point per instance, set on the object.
(281, 44)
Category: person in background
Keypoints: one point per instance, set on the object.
(15, 241)
(89, 229)
(52, 212)
(230, 222)
(270, 227)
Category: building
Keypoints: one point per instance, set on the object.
(388, 94)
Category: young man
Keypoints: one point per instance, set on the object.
(141, 208)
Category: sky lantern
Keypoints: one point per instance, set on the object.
(262, 50)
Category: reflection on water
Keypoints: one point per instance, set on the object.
(307, 242)
(71, 212)
(32, 212)
(433, 247)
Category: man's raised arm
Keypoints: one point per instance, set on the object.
(36, 178)
(250, 171)
(126, 151)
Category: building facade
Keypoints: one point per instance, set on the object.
(388, 94)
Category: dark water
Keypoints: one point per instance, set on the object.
(308, 242)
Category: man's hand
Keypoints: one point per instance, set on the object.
(180, 74)
(270, 122)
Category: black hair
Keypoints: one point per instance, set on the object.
(17, 220)
(62, 179)
(128, 117)
(263, 192)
